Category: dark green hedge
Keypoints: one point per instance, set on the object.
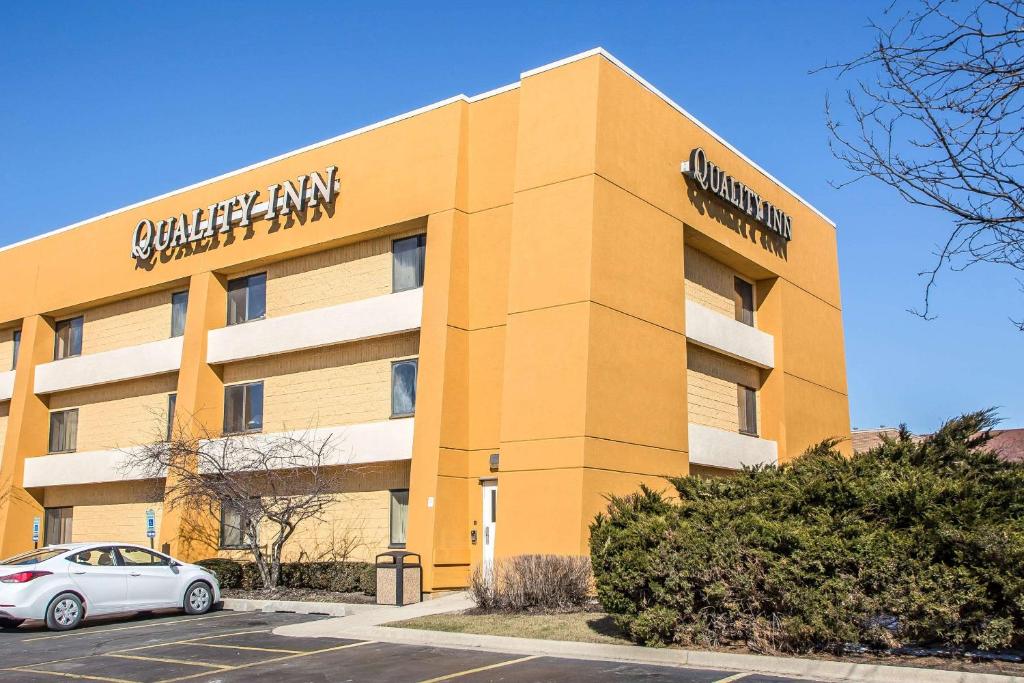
(341, 577)
(910, 543)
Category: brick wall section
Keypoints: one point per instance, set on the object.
(339, 385)
(129, 322)
(711, 381)
(327, 278)
(357, 526)
(119, 415)
(7, 349)
(5, 409)
(108, 512)
(709, 282)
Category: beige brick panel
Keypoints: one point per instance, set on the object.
(7, 349)
(711, 381)
(710, 282)
(129, 322)
(5, 410)
(356, 526)
(119, 415)
(109, 512)
(336, 276)
(340, 385)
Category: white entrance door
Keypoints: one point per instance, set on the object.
(490, 517)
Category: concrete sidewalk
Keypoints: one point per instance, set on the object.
(367, 625)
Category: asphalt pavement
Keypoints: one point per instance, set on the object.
(232, 647)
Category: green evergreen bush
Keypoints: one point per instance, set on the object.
(913, 542)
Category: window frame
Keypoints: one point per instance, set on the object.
(738, 300)
(394, 364)
(60, 518)
(49, 440)
(173, 295)
(742, 410)
(392, 543)
(56, 337)
(16, 339)
(241, 533)
(172, 406)
(246, 279)
(422, 266)
(244, 408)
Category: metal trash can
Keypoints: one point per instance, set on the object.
(399, 579)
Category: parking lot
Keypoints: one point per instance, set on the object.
(231, 647)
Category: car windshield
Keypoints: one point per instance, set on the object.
(34, 556)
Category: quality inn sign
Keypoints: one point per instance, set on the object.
(709, 176)
(241, 210)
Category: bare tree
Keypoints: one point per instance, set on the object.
(274, 482)
(937, 117)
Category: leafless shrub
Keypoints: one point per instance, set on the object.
(533, 582)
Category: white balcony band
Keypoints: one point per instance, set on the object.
(729, 450)
(362, 443)
(6, 385)
(364, 319)
(721, 333)
(131, 362)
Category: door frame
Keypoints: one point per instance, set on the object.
(488, 512)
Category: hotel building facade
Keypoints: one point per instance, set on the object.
(504, 307)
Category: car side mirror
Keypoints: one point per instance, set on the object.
(174, 567)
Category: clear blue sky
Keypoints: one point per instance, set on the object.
(110, 104)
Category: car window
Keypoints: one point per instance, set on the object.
(33, 557)
(95, 557)
(137, 557)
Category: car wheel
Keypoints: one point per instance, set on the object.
(64, 612)
(198, 598)
(11, 623)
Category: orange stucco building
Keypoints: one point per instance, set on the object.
(507, 305)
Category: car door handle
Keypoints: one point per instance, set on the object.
(136, 574)
(79, 573)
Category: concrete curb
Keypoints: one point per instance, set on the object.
(333, 609)
(367, 626)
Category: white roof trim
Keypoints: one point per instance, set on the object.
(639, 79)
(415, 112)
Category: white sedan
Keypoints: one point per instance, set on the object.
(65, 583)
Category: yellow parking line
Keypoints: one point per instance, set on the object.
(245, 647)
(190, 641)
(80, 677)
(730, 679)
(270, 661)
(82, 634)
(166, 660)
(479, 669)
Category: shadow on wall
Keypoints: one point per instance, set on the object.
(736, 221)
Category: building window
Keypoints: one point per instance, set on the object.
(172, 401)
(747, 410)
(243, 408)
(17, 348)
(247, 298)
(179, 306)
(408, 256)
(63, 430)
(68, 341)
(403, 387)
(744, 299)
(399, 517)
(231, 520)
(58, 526)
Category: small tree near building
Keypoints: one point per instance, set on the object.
(270, 484)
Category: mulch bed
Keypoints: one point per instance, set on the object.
(299, 594)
